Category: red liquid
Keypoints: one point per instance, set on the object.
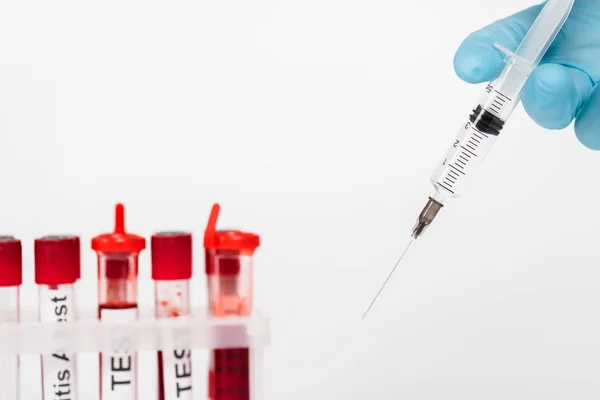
(229, 379)
(115, 306)
(161, 383)
(109, 306)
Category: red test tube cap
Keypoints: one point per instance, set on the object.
(119, 241)
(11, 265)
(57, 260)
(171, 256)
(244, 242)
(232, 242)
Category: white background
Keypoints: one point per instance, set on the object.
(315, 123)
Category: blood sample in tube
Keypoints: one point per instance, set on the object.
(171, 272)
(57, 268)
(117, 302)
(228, 257)
(10, 281)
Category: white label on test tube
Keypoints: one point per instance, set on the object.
(58, 370)
(177, 374)
(119, 369)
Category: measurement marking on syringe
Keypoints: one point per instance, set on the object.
(476, 135)
(470, 146)
(481, 133)
(463, 158)
(468, 151)
(439, 183)
(500, 101)
(506, 97)
(475, 140)
(452, 166)
(453, 174)
(450, 180)
(495, 107)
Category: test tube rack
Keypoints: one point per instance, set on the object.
(89, 335)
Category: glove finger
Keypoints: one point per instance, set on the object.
(554, 94)
(477, 60)
(587, 125)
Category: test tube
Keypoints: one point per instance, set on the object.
(10, 280)
(117, 302)
(171, 272)
(57, 268)
(228, 257)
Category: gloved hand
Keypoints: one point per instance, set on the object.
(565, 84)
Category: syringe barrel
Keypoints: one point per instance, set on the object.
(526, 57)
(466, 154)
(502, 95)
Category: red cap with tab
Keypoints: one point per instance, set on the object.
(11, 265)
(244, 242)
(119, 241)
(57, 260)
(171, 256)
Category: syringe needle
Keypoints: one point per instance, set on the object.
(388, 277)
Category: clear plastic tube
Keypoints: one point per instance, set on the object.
(9, 364)
(117, 302)
(57, 268)
(57, 305)
(229, 265)
(171, 254)
(174, 366)
(230, 294)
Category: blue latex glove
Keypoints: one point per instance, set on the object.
(565, 84)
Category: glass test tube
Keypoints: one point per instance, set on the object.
(117, 302)
(228, 257)
(11, 278)
(57, 268)
(171, 271)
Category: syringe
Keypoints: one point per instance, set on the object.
(478, 134)
(481, 129)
